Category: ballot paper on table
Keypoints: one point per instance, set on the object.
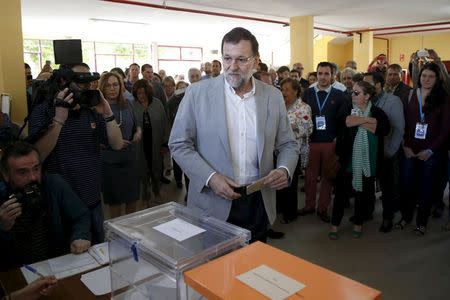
(98, 281)
(179, 229)
(100, 253)
(271, 283)
(61, 267)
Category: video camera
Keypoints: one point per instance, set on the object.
(66, 78)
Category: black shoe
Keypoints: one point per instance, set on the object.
(165, 180)
(287, 220)
(386, 226)
(324, 216)
(276, 235)
(304, 211)
(420, 230)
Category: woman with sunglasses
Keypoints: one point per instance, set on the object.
(360, 151)
(427, 129)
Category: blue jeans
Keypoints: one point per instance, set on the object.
(418, 185)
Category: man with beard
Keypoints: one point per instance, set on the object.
(40, 216)
(225, 134)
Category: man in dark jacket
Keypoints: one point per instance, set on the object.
(40, 216)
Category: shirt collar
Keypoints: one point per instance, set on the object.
(246, 95)
(316, 89)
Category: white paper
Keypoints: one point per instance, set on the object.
(6, 104)
(71, 261)
(271, 283)
(100, 253)
(98, 281)
(179, 229)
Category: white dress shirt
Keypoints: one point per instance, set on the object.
(241, 126)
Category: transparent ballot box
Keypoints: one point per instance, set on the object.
(150, 249)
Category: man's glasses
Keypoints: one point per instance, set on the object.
(241, 61)
(355, 93)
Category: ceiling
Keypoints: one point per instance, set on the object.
(344, 15)
(126, 22)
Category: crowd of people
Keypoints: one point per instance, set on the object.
(344, 129)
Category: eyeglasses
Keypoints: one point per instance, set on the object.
(355, 93)
(241, 61)
(114, 85)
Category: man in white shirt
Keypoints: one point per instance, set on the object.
(225, 135)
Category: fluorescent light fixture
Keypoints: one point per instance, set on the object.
(118, 22)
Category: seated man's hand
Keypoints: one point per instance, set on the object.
(79, 246)
(9, 211)
(36, 289)
(277, 179)
(223, 187)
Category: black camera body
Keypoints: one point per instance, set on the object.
(65, 77)
(29, 197)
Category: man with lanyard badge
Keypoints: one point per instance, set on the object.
(329, 109)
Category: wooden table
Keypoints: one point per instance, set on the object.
(70, 288)
(217, 278)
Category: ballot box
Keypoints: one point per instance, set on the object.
(150, 249)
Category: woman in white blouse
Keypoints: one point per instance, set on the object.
(299, 115)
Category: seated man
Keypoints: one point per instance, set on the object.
(40, 216)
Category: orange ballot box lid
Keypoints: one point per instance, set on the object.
(217, 279)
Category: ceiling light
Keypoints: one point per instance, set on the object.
(118, 21)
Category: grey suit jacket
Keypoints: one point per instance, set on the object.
(199, 142)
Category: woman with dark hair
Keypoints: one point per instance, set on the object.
(152, 118)
(120, 179)
(427, 129)
(299, 115)
(360, 151)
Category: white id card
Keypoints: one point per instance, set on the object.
(421, 131)
(321, 123)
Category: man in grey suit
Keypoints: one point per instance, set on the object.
(224, 138)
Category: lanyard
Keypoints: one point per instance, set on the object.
(422, 114)
(324, 102)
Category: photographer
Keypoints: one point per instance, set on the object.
(40, 216)
(68, 131)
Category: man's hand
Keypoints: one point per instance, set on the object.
(9, 212)
(223, 187)
(424, 155)
(433, 55)
(36, 289)
(277, 179)
(61, 113)
(103, 107)
(79, 246)
(408, 152)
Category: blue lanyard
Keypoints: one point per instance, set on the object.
(324, 102)
(422, 114)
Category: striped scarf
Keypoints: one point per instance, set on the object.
(360, 155)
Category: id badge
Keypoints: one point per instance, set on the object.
(355, 112)
(321, 123)
(421, 131)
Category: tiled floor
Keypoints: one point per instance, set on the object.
(400, 264)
